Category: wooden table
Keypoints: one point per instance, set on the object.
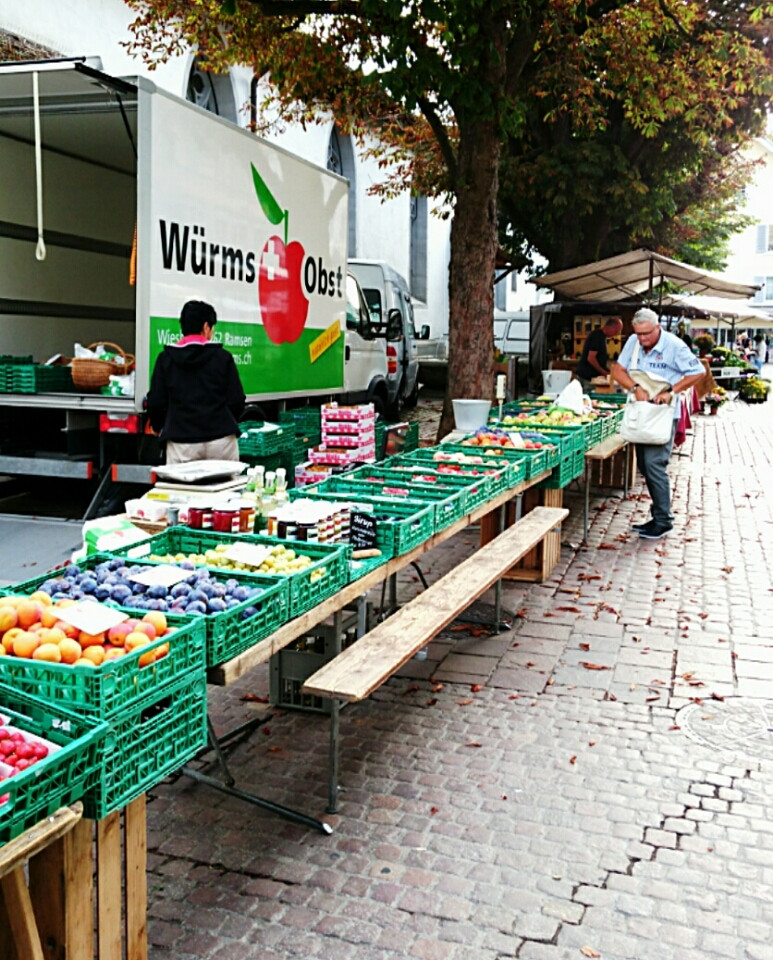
(53, 915)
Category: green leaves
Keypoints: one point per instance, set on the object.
(274, 213)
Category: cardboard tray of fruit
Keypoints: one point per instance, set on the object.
(237, 610)
(64, 756)
(310, 572)
(98, 674)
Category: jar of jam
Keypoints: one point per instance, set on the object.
(224, 519)
(199, 517)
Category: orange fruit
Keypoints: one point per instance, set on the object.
(70, 650)
(94, 655)
(146, 627)
(145, 659)
(134, 640)
(117, 635)
(84, 662)
(114, 653)
(40, 596)
(50, 634)
(49, 652)
(49, 617)
(157, 619)
(25, 644)
(8, 617)
(29, 612)
(90, 639)
(10, 600)
(162, 650)
(9, 636)
(65, 602)
(67, 629)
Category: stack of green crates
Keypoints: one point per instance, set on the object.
(22, 375)
(156, 713)
(66, 775)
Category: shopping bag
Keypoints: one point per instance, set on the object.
(647, 422)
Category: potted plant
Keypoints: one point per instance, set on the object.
(715, 399)
(754, 390)
(705, 343)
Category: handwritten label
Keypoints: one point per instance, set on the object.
(91, 617)
(165, 575)
(362, 531)
(250, 554)
(324, 341)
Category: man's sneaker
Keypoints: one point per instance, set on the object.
(642, 526)
(655, 531)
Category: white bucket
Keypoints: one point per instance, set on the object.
(554, 381)
(469, 415)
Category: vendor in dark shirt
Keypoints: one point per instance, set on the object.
(593, 362)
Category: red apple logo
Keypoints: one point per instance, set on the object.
(283, 304)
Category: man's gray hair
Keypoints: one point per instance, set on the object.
(645, 315)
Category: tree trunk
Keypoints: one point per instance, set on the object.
(471, 270)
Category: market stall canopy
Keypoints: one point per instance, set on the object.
(636, 273)
(722, 309)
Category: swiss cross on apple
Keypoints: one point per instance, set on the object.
(282, 277)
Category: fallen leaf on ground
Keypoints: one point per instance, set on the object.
(717, 696)
(674, 726)
(464, 703)
(476, 687)
(514, 696)
(584, 646)
(274, 749)
(266, 731)
(573, 760)
(591, 743)
(473, 744)
(434, 810)
(251, 698)
(432, 702)
(412, 689)
(437, 688)
(589, 952)
(727, 569)
(607, 546)
(593, 666)
(569, 609)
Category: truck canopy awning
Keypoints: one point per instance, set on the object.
(84, 112)
(637, 274)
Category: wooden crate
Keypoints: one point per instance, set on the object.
(86, 892)
(538, 564)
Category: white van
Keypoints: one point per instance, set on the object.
(389, 300)
(365, 362)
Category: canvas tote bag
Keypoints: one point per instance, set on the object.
(644, 421)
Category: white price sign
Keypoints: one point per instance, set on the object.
(91, 617)
(164, 574)
(251, 554)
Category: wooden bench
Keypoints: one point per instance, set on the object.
(362, 667)
(599, 454)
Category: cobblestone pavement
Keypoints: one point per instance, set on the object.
(596, 781)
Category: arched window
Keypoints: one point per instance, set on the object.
(211, 91)
(418, 240)
(340, 160)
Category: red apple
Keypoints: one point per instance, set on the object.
(283, 304)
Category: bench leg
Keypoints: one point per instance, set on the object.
(335, 709)
(586, 478)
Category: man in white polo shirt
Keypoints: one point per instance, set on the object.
(656, 365)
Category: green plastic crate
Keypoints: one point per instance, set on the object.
(358, 568)
(478, 489)
(106, 690)
(515, 469)
(258, 439)
(62, 777)
(321, 579)
(535, 461)
(401, 525)
(305, 420)
(562, 475)
(152, 739)
(498, 474)
(593, 432)
(227, 632)
(449, 506)
(36, 378)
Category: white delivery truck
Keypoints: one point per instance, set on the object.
(120, 202)
(389, 301)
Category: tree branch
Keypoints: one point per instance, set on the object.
(300, 8)
(441, 134)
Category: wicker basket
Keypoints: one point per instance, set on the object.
(88, 373)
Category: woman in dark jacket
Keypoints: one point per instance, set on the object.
(196, 396)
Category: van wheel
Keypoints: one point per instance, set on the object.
(413, 397)
(381, 405)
